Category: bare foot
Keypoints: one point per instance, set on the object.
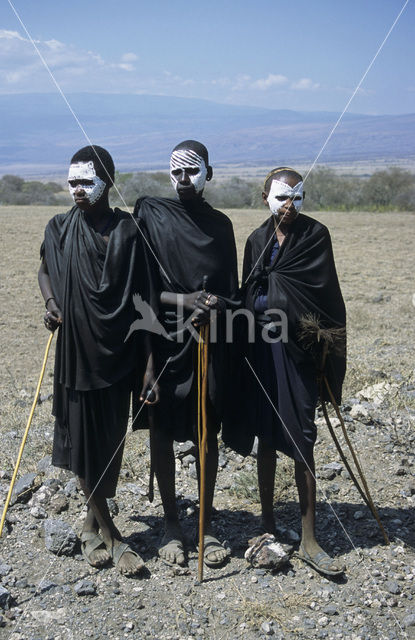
(311, 552)
(172, 547)
(93, 548)
(127, 561)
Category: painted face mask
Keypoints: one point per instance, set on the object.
(86, 171)
(281, 190)
(188, 159)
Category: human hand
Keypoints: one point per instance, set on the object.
(53, 316)
(150, 392)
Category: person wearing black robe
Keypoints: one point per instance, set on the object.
(290, 279)
(189, 240)
(92, 264)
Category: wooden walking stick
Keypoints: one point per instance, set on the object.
(331, 339)
(29, 422)
(202, 380)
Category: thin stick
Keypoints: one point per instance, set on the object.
(29, 422)
(202, 437)
(368, 498)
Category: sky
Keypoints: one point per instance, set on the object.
(298, 55)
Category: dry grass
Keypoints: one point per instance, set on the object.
(374, 255)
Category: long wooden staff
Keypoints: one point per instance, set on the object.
(202, 380)
(29, 422)
(365, 493)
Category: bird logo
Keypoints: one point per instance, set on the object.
(148, 321)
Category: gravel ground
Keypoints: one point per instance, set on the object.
(60, 597)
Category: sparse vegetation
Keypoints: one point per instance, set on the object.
(391, 189)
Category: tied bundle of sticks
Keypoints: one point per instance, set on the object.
(322, 342)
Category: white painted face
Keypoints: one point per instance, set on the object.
(191, 161)
(280, 192)
(83, 173)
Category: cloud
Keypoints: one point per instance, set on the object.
(271, 80)
(305, 84)
(22, 70)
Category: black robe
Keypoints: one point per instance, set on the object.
(93, 284)
(188, 241)
(301, 280)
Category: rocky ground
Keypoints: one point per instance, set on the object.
(44, 595)
(48, 596)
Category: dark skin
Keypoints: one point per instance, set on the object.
(200, 303)
(266, 460)
(98, 519)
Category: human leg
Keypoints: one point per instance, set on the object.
(266, 465)
(172, 547)
(310, 550)
(98, 518)
(214, 552)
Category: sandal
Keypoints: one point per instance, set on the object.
(321, 562)
(212, 544)
(117, 553)
(91, 541)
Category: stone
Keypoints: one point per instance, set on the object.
(85, 588)
(5, 598)
(409, 621)
(330, 610)
(265, 552)
(266, 627)
(392, 587)
(38, 512)
(49, 617)
(71, 488)
(188, 460)
(23, 488)
(60, 538)
(59, 502)
(4, 569)
(44, 464)
(183, 449)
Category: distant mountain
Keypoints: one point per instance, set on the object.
(38, 134)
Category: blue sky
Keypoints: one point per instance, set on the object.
(285, 55)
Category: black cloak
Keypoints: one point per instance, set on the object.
(302, 280)
(189, 240)
(93, 283)
(95, 366)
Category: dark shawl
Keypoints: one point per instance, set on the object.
(93, 283)
(302, 280)
(189, 241)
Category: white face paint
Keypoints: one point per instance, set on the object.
(280, 192)
(86, 171)
(188, 159)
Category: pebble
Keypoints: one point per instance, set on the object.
(60, 538)
(409, 621)
(23, 488)
(85, 588)
(392, 587)
(5, 598)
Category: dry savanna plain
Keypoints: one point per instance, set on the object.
(375, 259)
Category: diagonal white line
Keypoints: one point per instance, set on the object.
(340, 118)
(54, 560)
(55, 82)
(325, 496)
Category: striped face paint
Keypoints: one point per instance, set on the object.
(281, 191)
(82, 174)
(190, 162)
